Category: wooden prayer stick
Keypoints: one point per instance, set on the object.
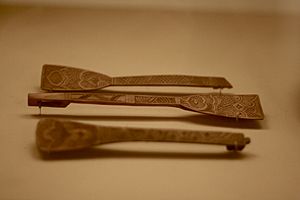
(62, 78)
(56, 135)
(225, 105)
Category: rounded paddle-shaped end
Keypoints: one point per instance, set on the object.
(55, 135)
(226, 105)
(63, 78)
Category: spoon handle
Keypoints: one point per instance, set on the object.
(63, 99)
(57, 135)
(172, 80)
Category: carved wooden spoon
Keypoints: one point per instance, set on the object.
(226, 105)
(62, 78)
(56, 135)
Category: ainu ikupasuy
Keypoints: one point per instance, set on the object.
(225, 105)
(67, 85)
(63, 78)
(57, 135)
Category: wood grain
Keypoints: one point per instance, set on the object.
(56, 135)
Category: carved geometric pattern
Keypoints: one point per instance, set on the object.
(68, 78)
(241, 106)
(98, 97)
(169, 80)
(236, 106)
(154, 100)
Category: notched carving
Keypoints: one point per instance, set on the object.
(154, 100)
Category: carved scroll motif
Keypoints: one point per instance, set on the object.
(66, 78)
(241, 106)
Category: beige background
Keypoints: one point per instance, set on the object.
(270, 6)
(258, 52)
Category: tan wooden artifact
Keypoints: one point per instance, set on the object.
(225, 105)
(56, 135)
(62, 78)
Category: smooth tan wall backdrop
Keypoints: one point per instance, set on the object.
(257, 53)
(279, 6)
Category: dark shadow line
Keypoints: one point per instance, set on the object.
(195, 119)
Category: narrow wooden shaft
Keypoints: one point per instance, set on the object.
(123, 99)
(172, 80)
(51, 99)
(111, 134)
